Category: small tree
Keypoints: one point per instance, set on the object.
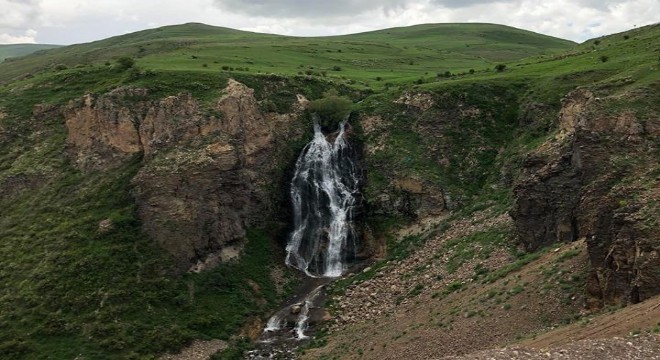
(125, 63)
(500, 67)
(331, 108)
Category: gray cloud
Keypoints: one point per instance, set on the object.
(308, 8)
(16, 21)
(455, 4)
(16, 14)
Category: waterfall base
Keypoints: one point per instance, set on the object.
(293, 324)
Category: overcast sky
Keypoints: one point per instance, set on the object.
(76, 21)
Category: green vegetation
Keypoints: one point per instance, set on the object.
(70, 290)
(353, 59)
(331, 108)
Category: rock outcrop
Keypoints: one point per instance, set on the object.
(103, 130)
(597, 180)
(207, 172)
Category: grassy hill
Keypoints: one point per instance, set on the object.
(69, 289)
(392, 54)
(16, 50)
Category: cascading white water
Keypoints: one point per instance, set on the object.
(323, 193)
(276, 321)
(303, 318)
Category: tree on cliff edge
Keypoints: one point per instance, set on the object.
(331, 108)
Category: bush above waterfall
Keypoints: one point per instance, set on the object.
(331, 109)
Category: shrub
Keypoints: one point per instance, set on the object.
(331, 108)
(125, 63)
(604, 58)
(336, 68)
(596, 42)
(471, 71)
(500, 67)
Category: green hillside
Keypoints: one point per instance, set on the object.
(71, 290)
(16, 50)
(401, 53)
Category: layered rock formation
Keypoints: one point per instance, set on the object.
(207, 171)
(597, 180)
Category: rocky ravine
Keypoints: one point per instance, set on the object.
(208, 171)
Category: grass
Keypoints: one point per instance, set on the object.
(72, 291)
(388, 55)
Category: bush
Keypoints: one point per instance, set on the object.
(60, 67)
(336, 68)
(500, 67)
(125, 63)
(331, 108)
(604, 58)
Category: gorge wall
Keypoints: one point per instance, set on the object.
(597, 180)
(593, 178)
(208, 170)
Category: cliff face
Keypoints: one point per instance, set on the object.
(207, 171)
(597, 180)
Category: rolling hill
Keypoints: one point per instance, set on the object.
(17, 50)
(389, 54)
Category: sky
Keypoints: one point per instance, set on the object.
(75, 21)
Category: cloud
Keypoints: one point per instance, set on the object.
(16, 18)
(16, 14)
(291, 9)
(29, 37)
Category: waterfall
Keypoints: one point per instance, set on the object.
(325, 195)
(323, 192)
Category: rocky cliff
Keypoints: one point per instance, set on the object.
(597, 180)
(208, 169)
